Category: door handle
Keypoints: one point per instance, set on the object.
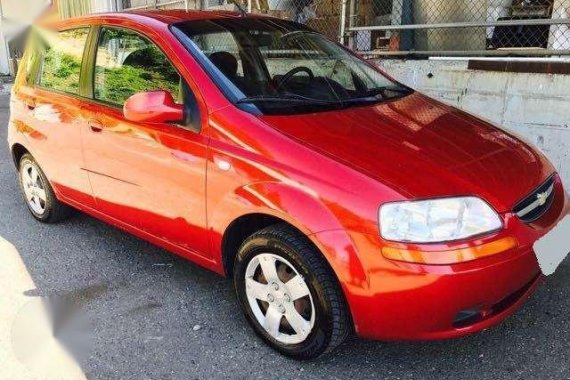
(95, 127)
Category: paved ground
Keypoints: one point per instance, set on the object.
(144, 303)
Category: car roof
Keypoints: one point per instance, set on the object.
(162, 16)
(178, 15)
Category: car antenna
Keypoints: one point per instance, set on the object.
(242, 10)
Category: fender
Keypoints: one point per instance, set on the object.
(18, 133)
(19, 130)
(298, 207)
(24, 135)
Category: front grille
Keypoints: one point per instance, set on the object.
(537, 203)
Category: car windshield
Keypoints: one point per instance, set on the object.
(275, 67)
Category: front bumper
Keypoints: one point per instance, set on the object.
(427, 303)
(392, 300)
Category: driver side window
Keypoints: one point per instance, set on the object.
(128, 63)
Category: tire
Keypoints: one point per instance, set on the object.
(326, 321)
(38, 193)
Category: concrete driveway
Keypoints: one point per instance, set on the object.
(155, 316)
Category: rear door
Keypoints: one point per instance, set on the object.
(149, 176)
(51, 101)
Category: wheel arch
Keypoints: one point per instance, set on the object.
(246, 225)
(265, 203)
(239, 230)
(262, 204)
(18, 151)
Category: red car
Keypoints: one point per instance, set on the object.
(339, 200)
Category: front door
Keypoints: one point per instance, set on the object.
(150, 176)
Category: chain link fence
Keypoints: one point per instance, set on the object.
(417, 27)
(459, 27)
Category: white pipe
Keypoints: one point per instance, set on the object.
(342, 22)
(475, 24)
(351, 21)
(501, 59)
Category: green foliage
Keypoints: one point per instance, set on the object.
(144, 69)
(140, 67)
(69, 66)
(58, 54)
(118, 84)
(61, 71)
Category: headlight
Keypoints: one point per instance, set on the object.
(437, 220)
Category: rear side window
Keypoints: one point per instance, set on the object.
(61, 55)
(128, 63)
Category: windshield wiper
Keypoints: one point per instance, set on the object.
(284, 98)
(377, 94)
(382, 91)
(371, 96)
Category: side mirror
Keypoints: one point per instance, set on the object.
(153, 107)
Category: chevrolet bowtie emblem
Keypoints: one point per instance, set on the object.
(542, 197)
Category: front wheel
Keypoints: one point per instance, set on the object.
(289, 294)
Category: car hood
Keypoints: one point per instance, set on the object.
(423, 149)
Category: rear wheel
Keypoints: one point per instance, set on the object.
(289, 294)
(38, 193)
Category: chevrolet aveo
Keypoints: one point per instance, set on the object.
(339, 200)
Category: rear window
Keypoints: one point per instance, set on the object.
(60, 55)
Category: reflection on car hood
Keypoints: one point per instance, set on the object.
(423, 149)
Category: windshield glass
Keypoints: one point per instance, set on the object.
(279, 67)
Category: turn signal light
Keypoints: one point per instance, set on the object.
(454, 256)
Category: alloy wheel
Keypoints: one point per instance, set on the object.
(279, 298)
(34, 188)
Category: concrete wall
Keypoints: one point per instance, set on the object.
(536, 106)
